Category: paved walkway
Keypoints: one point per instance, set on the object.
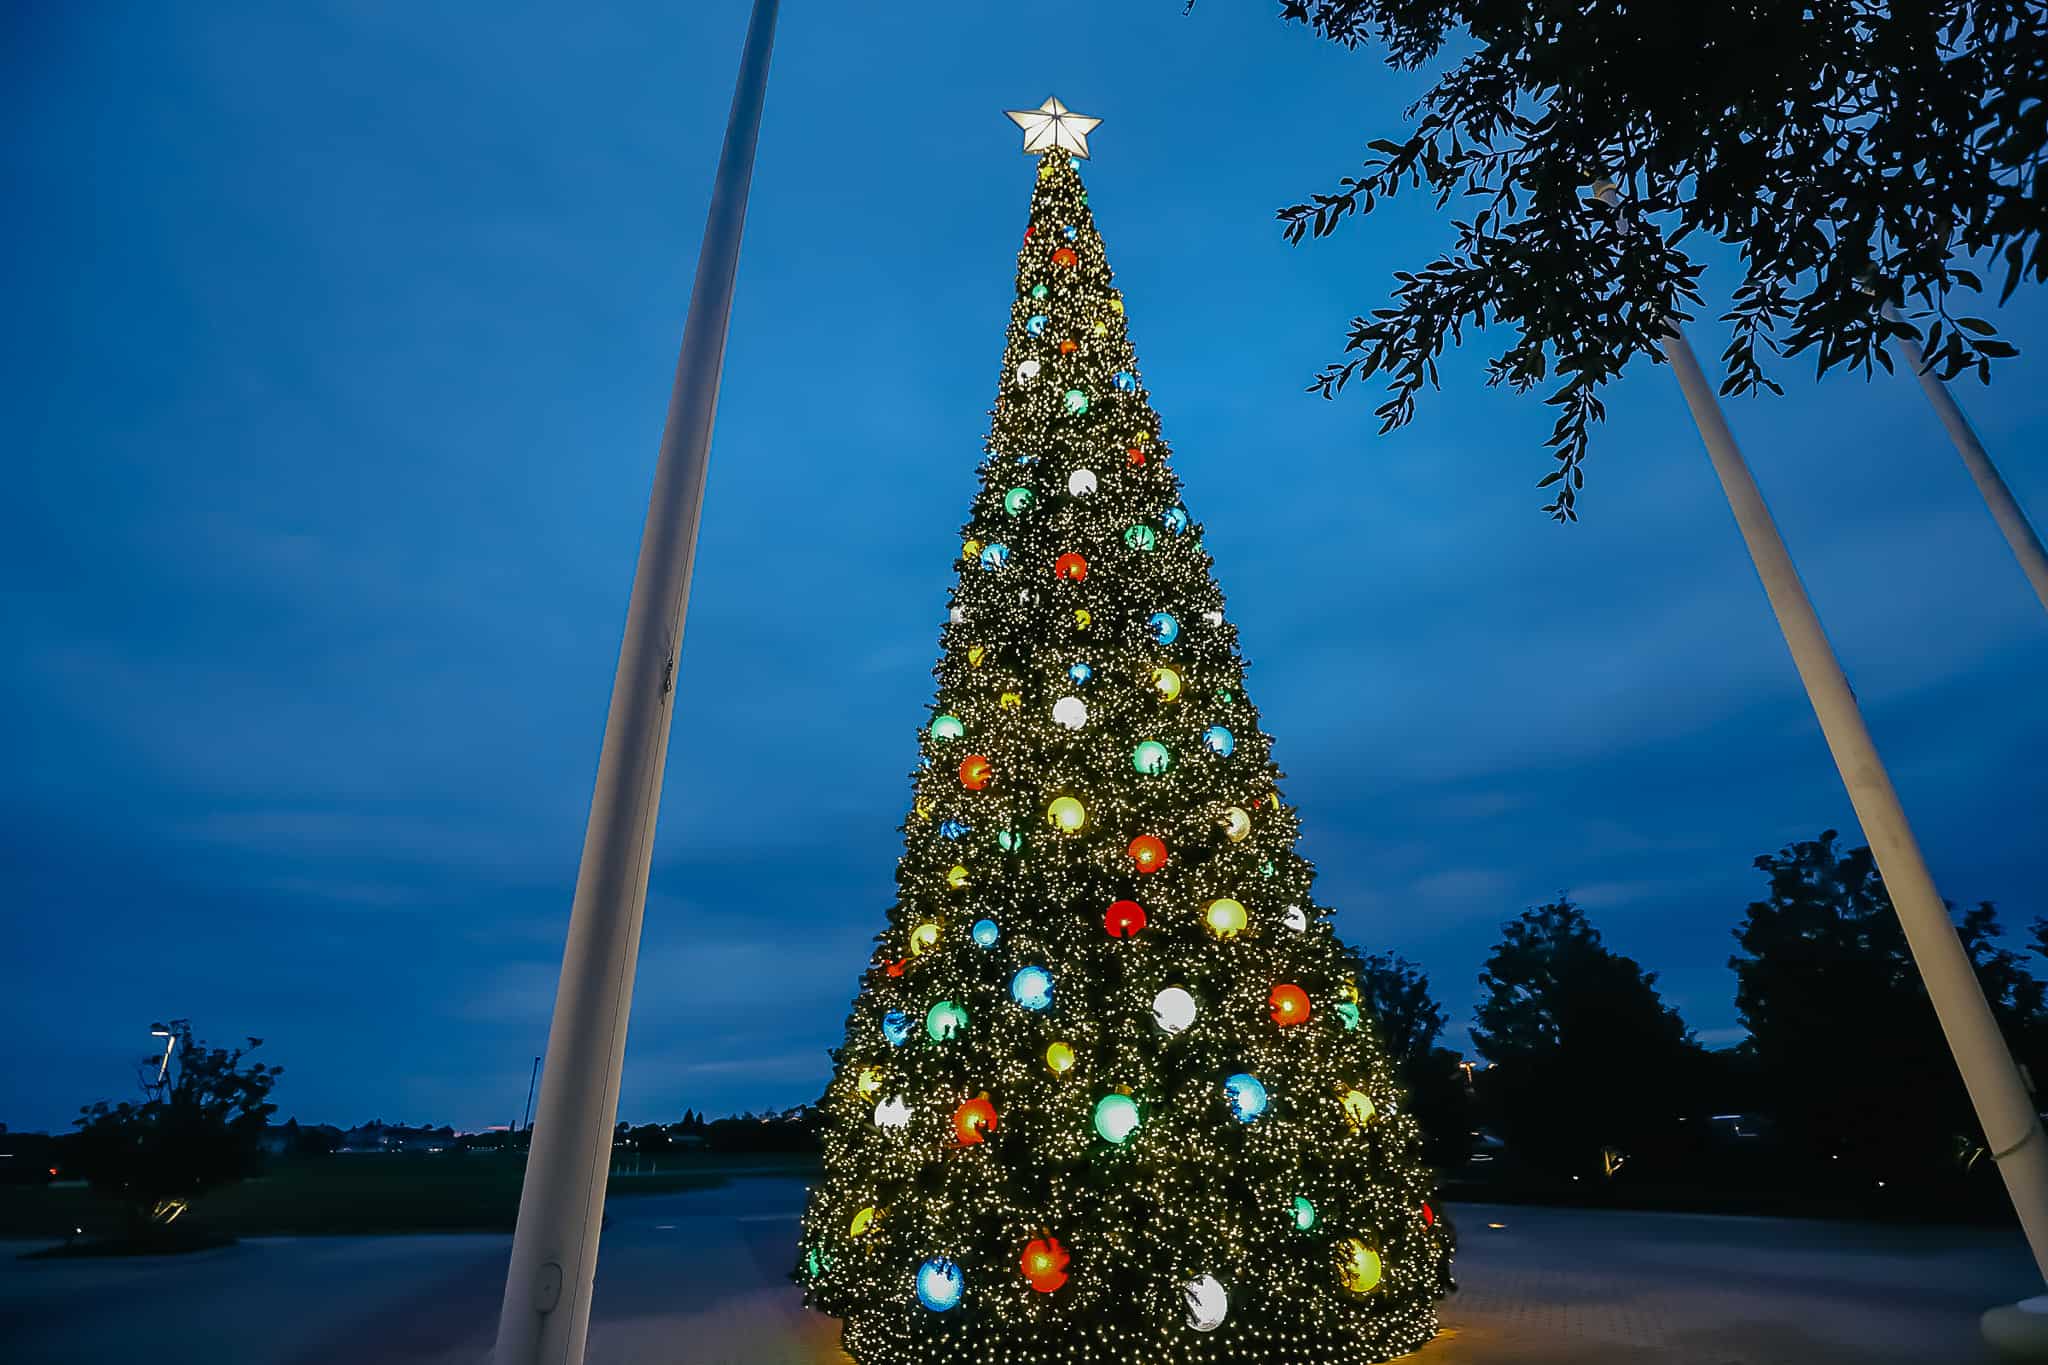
(697, 1279)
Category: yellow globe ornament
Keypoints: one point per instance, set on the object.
(1116, 305)
(924, 936)
(1102, 329)
(1349, 990)
(862, 1222)
(1011, 701)
(1067, 815)
(1225, 917)
(969, 549)
(1358, 1109)
(1236, 822)
(957, 877)
(1059, 1059)
(921, 808)
(1167, 683)
(1081, 618)
(1359, 1269)
(870, 1083)
(975, 654)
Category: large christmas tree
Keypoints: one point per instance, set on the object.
(1105, 1094)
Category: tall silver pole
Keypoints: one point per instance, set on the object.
(2005, 509)
(546, 1314)
(1999, 1095)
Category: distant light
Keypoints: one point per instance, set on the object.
(1496, 1225)
(1719, 1117)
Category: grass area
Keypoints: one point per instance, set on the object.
(411, 1192)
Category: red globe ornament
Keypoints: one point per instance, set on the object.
(1064, 257)
(1071, 567)
(896, 968)
(1045, 1264)
(975, 772)
(1135, 455)
(1027, 232)
(974, 1119)
(1289, 1005)
(1428, 1216)
(1123, 918)
(1148, 852)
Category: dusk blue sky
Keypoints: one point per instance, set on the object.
(337, 344)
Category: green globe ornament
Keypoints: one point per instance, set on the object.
(1009, 841)
(1116, 1118)
(1017, 501)
(1039, 291)
(1150, 758)
(1304, 1214)
(1075, 402)
(948, 727)
(1348, 1012)
(1141, 538)
(944, 1021)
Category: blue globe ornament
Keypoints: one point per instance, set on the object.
(1124, 380)
(1079, 672)
(1141, 537)
(1075, 402)
(896, 1028)
(953, 829)
(1218, 741)
(985, 933)
(1031, 987)
(940, 1284)
(1036, 324)
(1176, 519)
(994, 555)
(1070, 232)
(1246, 1095)
(1165, 629)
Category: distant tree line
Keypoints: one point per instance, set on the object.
(1844, 1084)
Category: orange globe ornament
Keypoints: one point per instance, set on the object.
(1123, 918)
(1045, 1264)
(975, 772)
(1148, 852)
(974, 1119)
(1071, 567)
(1289, 1005)
(1069, 346)
(1064, 257)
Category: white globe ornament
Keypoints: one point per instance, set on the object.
(1081, 483)
(1208, 1304)
(1214, 618)
(1070, 713)
(893, 1112)
(1173, 1009)
(1028, 371)
(956, 615)
(1296, 919)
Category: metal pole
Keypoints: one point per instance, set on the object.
(2005, 509)
(545, 1319)
(526, 1114)
(2006, 1111)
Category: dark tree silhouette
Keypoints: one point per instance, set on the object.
(1396, 991)
(1845, 1038)
(1587, 1056)
(197, 1129)
(1833, 141)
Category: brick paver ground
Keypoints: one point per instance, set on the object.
(697, 1280)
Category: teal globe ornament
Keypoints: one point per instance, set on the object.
(1219, 741)
(1017, 501)
(940, 1283)
(994, 555)
(1116, 1118)
(948, 726)
(1151, 758)
(985, 934)
(1141, 538)
(1039, 291)
(1035, 324)
(1304, 1213)
(1009, 841)
(1075, 402)
(1031, 987)
(1246, 1095)
(1165, 627)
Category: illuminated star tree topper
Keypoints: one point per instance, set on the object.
(1054, 127)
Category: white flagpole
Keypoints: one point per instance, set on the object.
(545, 1318)
(2005, 509)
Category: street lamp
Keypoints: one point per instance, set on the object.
(170, 1045)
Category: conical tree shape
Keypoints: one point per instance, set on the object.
(1105, 1094)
